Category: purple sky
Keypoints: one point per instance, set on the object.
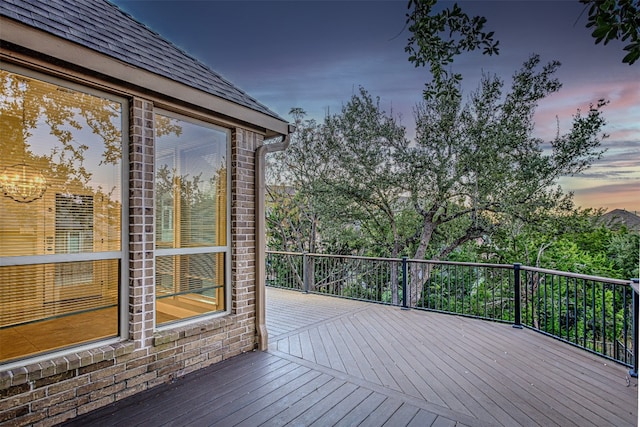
(315, 54)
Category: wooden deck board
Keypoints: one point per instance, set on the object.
(324, 405)
(226, 398)
(347, 363)
(287, 415)
(424, 418)
(381, 414)
(488, 391)
(403, 416)
(358, 414)
(267, 397)
(275, 408)
(340, 410)
(525, 381)
(239, 403)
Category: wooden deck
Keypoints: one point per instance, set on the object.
(346, 363)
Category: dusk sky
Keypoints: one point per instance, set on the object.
(315, 55)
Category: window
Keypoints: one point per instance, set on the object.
(61, 207)
(191, 218)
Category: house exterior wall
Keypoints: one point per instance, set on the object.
(54, 390)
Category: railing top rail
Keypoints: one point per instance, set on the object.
(423, 261)
(335, 256)
(467, 264)
(577, 275)
(284, 252)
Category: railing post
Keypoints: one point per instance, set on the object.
(404, 283)
(305, 272)
(517, 298)
(636, 319)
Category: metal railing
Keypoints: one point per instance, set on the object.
(594, 313)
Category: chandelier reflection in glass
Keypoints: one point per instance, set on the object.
(22, 183)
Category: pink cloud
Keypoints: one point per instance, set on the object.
(611, 196)
(621, 113)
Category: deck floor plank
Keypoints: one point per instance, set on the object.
(238, 403)
(358, 414)
(559, 386)
(403, 416)
(444, 380)
(344, 352)
(489, 391)
(343, 408)
(319, 349)
(288, 414)
(424, 418)
(336, 362)
(382, 413)
(325, 405)
(268, 398)
(266, 414)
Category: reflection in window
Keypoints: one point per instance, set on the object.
(74, 234)
(191, 216)
(54, 291)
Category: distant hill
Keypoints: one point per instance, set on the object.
(618, 217)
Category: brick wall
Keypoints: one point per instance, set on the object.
(54, 390)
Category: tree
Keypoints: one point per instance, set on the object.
(473, 165)
(616, 20)
(292, 217)
(476, 163)
(436, 38)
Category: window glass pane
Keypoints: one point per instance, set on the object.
(191, 212)
(60, 179)
(189, 285)
(190, 184)
(41, 314)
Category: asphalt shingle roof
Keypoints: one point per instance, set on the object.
(103, 27)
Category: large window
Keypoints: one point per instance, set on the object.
(191, 218)
(61, 209)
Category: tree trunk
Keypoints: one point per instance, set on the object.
(416, 278)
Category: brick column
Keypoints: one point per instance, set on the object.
(243, 228)
(141, 223)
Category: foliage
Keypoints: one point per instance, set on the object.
(474, 166)
(292, 217)
(436, 38)
(575, 242)
(616, 20)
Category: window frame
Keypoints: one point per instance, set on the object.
(226, 249)
(56, 258)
